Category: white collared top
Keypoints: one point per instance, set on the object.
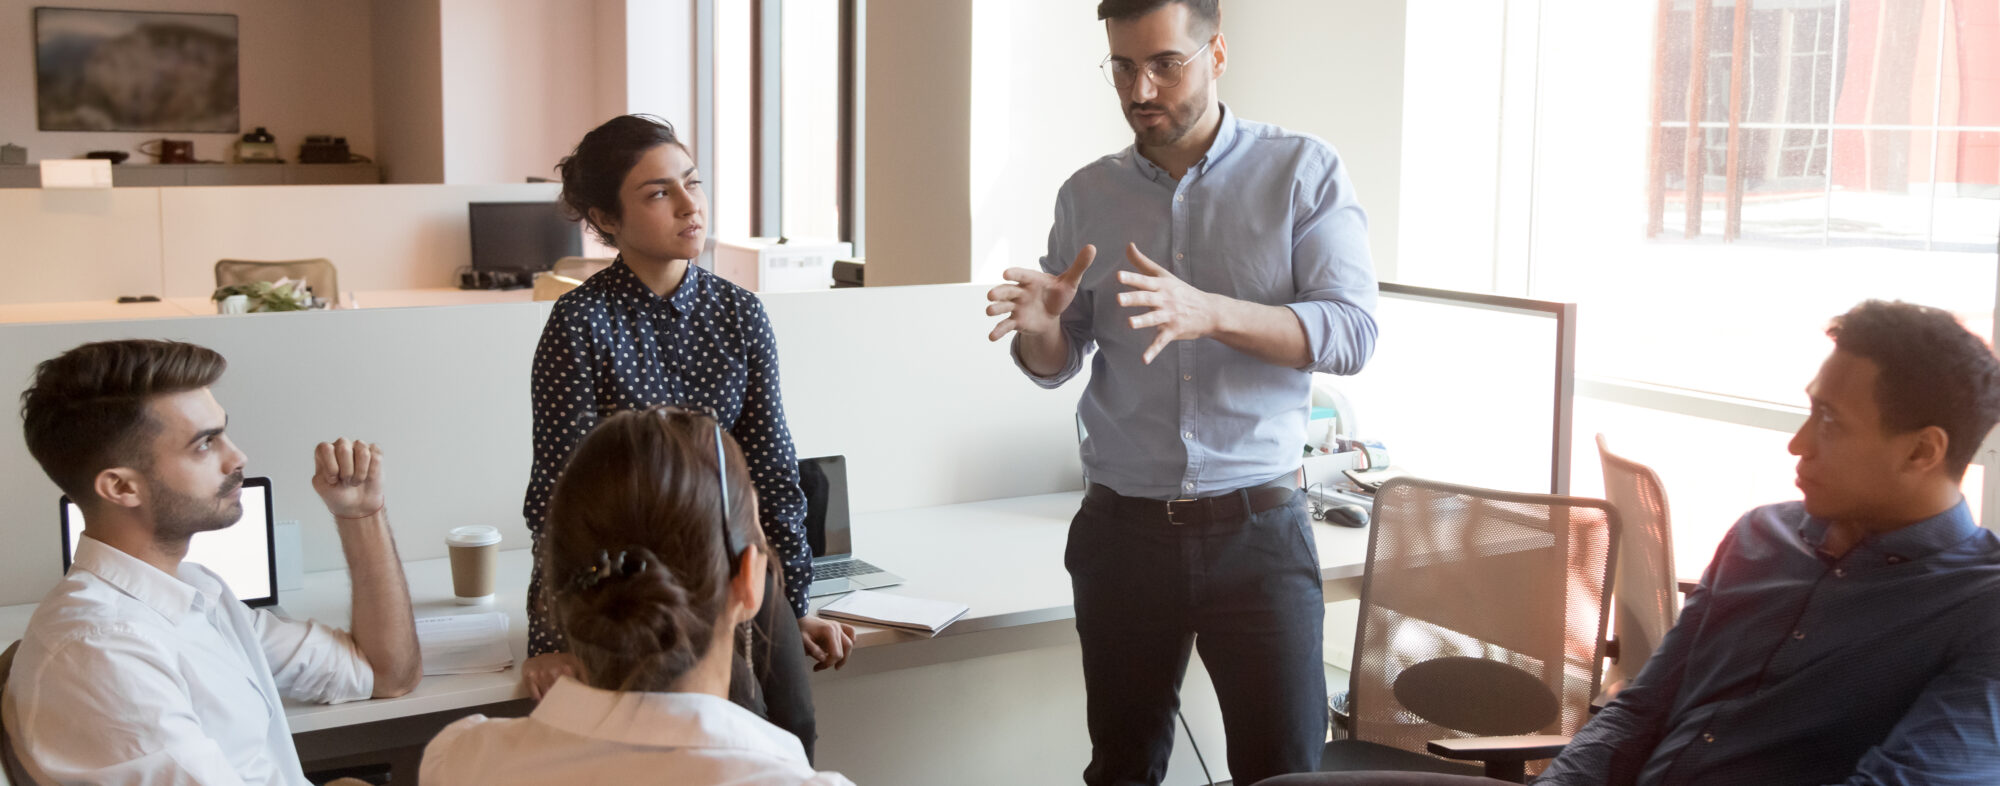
(130, 676)
(581, 735)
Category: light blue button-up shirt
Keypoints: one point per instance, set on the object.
(1268, 216)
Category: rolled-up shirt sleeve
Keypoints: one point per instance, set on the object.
(1332, 269)
(1076, 320)
(312, 661)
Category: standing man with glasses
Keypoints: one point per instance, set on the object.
(1246, 269)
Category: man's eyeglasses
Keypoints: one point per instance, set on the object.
(1164, 72)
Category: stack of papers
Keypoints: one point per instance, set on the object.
(464, 643)
(895, 611)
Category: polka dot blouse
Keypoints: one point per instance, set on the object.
(612, 345)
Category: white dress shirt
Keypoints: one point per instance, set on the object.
(130, 676)
(581, 735)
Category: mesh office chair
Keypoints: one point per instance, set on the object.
(1481, 630)
(319, 274)
(1646, 597)
(10, 767)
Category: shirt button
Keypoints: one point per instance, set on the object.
(1798, 634)
(1187, 377)
(1188, 434)
(1180, 197)
(1840, 573)
(1707, 738)
(1188, 486)
(1178, 255)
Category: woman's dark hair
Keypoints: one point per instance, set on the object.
(593, 173)
(86, 410)
(1933, 372)
(634, 553)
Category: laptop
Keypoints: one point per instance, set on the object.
(243, 554)
(835, 570)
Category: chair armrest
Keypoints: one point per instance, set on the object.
(1686, 586)
(1529, 747)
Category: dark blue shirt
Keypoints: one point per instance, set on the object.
(612, 344)
(1789, 665)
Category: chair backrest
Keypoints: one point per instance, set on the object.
(319, 274)
(1482, 613)
(10, 768)
(580, 268)
(1645, 597)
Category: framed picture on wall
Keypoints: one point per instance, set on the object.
(99, 70)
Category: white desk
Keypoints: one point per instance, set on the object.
(99, 310)
(1001, 557)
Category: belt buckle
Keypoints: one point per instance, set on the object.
(1170, 510)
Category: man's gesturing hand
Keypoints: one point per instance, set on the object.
(348, 476)
(1180, 311)
(1034, 302)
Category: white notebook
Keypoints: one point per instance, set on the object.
(895, 611)
(464, 643)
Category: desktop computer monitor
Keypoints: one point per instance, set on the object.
(242, 554)
(1470, 388)
(521, 236)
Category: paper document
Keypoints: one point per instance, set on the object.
(464, 643)
(895, 611)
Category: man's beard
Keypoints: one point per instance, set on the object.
(177, 516)
(1180, 121)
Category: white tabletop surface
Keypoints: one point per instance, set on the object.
(96, 310)
(1003, 558)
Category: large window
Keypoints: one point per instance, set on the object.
(1839, 150)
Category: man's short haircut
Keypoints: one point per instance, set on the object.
(1934, 372)
(86, 411)
(1204, 16)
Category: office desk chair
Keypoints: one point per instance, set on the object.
(11, 771)
(1481, 631)
(1646, 596)
(319, 274)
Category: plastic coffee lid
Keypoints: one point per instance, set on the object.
(473, 535)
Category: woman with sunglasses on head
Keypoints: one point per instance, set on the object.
(653, 567)
(653, 329)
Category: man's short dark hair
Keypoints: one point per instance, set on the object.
(86, 411)
(1934, 372)
(1204, 16)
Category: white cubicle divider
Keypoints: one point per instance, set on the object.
(901, 380)
(66, 246)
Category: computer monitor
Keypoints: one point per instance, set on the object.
(521, 236)
(1470, 388)
(242, 553)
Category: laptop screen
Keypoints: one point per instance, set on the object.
(240, 553)
(824, 481)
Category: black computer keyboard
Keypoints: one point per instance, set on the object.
(844, 569)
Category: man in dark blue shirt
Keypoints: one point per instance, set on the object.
(1853, 637)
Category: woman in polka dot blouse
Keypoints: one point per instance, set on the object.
(653, 329)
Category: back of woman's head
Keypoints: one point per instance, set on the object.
(595, 171)
(634, 560)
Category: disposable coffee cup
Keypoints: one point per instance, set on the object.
(475, 557)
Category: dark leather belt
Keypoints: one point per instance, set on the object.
(1225, 507)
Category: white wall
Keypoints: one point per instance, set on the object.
(409, 90)
(1334, 69)
(305, 68)
(918, 118)
(68, 246)
(925, 417)
(519, 86)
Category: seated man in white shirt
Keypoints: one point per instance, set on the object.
(652, 560)
(139, 668)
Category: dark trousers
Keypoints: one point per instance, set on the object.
(1247, 592)
(774, 683)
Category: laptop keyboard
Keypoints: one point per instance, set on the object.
(846, 568)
